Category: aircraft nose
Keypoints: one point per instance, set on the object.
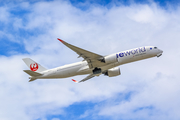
(161, 51)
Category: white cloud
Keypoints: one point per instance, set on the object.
(4, 16)
(153, 82)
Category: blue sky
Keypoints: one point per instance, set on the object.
(19, 12)
(145, 90)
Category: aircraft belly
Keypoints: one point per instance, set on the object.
(59, 74)
(83, 72)
(126, 59)
(66, 72)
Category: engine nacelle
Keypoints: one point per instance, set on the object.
(110, 59)
(113, 72)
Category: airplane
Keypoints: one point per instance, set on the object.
(93, 64)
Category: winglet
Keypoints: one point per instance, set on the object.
(60, 40)
(75, 81)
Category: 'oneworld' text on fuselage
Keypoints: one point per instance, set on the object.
(133, 52)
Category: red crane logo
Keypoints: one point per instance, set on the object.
(34, 66)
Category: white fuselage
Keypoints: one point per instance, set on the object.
(81, 68)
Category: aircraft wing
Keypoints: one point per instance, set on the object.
(86, 78)
(93, 59)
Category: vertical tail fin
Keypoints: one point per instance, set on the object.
(33, 65)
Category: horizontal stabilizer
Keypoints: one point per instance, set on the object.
(32, 79)
(31, 73)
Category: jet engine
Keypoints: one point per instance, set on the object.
(109, 59)
(113, 72)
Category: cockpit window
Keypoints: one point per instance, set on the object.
(155, 47)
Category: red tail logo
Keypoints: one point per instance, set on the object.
(34, 67)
